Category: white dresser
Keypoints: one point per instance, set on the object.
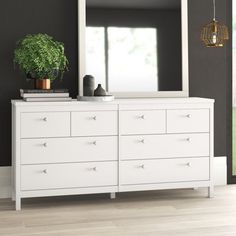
(65, 148)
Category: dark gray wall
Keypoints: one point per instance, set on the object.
(168, 25)
(209, 68)
(211, 72)
(57, 18)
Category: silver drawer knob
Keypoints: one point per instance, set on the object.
(92, 169)
(188, 139)
(95, 143)
(45, 119)
(142, 141)
(141, 167)
(45, 144)
(188, 164)
(188, 116)
(94, 118)
(142, 117)
(45, 171)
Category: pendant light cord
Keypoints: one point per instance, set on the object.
(214, 10)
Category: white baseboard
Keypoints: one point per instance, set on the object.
(220, 171)
(5, 182)
(219, 168)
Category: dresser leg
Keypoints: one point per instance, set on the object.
(18, 203)
(112, 195)
(211, 191)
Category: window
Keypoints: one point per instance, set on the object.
(122, 57)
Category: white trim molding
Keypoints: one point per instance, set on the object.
(81, 42)
(219, 167)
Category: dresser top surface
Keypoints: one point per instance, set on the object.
(129, 101)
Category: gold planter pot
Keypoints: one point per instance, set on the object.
(42, 84)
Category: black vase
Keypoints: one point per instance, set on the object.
(99, 91)
(88, 85)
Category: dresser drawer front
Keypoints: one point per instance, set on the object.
(47, 124)
(72, 175)
(185, 121)
(164, 146)
(60, 150)
(164, 171)
(143, 122)
(94, 123)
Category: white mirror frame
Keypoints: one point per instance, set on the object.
(185, 59)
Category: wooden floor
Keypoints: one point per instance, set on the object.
(168, 213)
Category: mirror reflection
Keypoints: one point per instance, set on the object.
(134, 45)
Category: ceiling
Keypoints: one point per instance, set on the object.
(137, 4)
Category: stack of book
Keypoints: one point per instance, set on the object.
(47, 95)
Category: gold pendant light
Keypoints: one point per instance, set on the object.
(214, 34)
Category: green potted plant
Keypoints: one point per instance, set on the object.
(41, 58)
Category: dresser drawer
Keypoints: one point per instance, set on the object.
(48, 124)
(164, 146)
(60, 150)
(164, 171)
(94, 123)
(185, 121)
(143, 122)
(72, 175)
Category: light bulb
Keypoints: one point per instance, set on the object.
(214, 38)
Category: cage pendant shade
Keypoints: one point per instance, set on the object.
(214, 34)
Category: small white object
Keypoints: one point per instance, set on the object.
(51, 99)
(107, 98)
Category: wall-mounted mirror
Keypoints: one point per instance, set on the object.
(135, 48)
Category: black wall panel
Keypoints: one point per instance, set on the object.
(209, 66)
(57, 18)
